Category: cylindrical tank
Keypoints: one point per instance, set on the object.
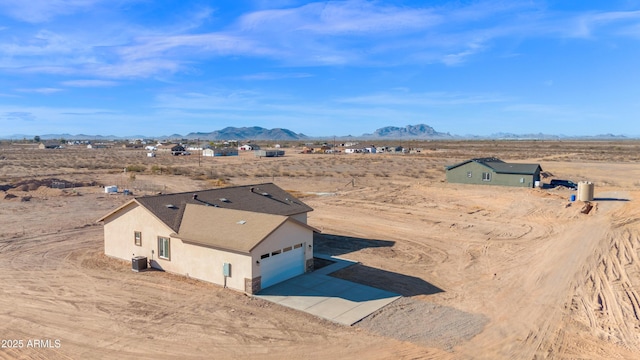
(585, 191)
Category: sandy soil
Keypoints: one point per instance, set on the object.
(487, 272)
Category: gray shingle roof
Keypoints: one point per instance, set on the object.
(502, 167)
(262, 198)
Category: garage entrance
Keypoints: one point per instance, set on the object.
(281, 265)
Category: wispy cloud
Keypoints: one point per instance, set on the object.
(89, 83)
(346, 17)
(275, 76)
(617, 22)
(424, 99)
(17, 116)
(45, 91)
(344, 33)
(36, 11)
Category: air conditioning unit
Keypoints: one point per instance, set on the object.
(138, 263)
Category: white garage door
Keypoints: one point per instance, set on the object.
(282, 265)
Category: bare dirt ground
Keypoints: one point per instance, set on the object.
(487, 272)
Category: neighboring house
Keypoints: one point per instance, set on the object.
(50, 145)
(178, 150)
(165, 147)
(354, 150)
(493, 171)
(256, 234)
(245, 148)
(220, 152)
(269, 153)
(370, 149)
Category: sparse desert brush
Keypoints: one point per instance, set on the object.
(220, 182)
(136, 168)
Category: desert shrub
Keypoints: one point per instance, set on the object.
(136, 168)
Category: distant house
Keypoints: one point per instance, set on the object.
(245, 237)
(220, 152)
(354, 150)
(97, 146)
(165, 147)
(50, 145)
(269, 153)
(370, 149)
(493, 171)
(245, 148)
(178, 150)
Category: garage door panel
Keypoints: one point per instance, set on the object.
(283, 266)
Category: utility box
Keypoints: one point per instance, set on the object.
(138, 263)
(226, 270)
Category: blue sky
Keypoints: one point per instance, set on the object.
(126, 67)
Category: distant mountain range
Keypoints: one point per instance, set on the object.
(246, 133)
(420, 131)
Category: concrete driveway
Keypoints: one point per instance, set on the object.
(330, 298)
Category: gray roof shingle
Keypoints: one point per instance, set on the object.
(265, 198)
(502, 167)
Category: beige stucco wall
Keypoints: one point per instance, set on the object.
(119, 231)
(207, 264)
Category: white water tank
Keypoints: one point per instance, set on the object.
(585, 191)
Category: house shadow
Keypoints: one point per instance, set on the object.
(336, 245)
(404, 285)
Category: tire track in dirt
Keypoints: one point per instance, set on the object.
(605, 303)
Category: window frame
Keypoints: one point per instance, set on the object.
(486, 176)
(469, 174)
(137, 238)
(161, 252)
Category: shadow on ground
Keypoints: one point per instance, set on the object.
(404, 285)
(609, 199)
(336, 245)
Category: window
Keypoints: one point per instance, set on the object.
(288, 248)
(297, 246)
(469, 174)
(137, 238)
(522, 180)
(163, 248)
(264, 256)
(277, 252)
(486, 176)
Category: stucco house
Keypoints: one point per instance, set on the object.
(493, 171)
(242, 237)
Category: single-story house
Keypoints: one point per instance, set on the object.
(354, 150)
(178, 150)
(242, 237)
(493, 171)
(50, 145)
(220, 152)
(269, 153)
(245, 148)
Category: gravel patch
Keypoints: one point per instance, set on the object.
(424, 323)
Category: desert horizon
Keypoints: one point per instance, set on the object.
(484, 271)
